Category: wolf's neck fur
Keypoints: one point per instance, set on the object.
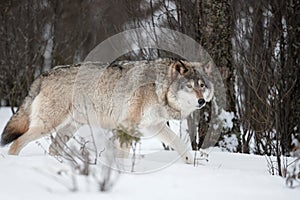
(174, 109)
(174, 113)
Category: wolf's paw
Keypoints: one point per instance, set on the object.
(188, 158)
(195, 159)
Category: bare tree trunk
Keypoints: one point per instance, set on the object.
(217, 35)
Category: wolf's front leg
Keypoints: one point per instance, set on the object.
(167, 136)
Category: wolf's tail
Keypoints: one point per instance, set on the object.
(16, 126)
(20, 121)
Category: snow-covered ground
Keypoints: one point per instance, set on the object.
(34, 175)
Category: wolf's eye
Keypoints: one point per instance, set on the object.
(202, 85)
(189, 86)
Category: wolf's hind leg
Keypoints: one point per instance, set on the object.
(63, 135)
(32, 134)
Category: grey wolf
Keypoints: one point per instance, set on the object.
(144, 94)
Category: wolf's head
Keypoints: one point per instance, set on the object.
(190, 88)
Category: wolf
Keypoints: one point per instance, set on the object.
(142, 94)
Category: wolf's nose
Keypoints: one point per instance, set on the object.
(201, 102)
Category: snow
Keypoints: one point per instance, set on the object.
(229, 143)
(35, 175)
(226, 117)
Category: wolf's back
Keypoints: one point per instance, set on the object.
(19, 122)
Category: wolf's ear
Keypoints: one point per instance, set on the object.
(178, 68)
(207, 68)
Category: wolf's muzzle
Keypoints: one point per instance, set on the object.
(201, 102)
